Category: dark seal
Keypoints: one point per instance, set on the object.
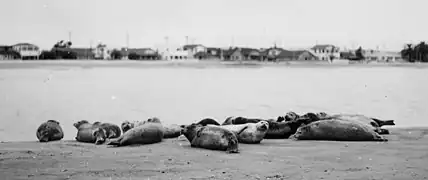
(49, 131)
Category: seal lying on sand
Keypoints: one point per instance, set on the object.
(207, 121)
(106, 131)
(171, 131)
(95, 133)
(148, 133)
(277, 130)
(49, 131)
(127, 125)
(211, 137)
(240, 120)
(373, 122)
(249, 133)
(289, 116)
(337, 130)
(86, 130)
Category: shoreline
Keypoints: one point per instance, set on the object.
(6, 64)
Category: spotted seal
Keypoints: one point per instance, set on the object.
(49, 131)
(147, 133)
(207, 121)
(96, 132)
(249, 133)
(211, 137)
(337, 130)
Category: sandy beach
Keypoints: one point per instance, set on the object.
(180, 93)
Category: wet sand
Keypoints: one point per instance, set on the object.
(181, 93)
(405, 156)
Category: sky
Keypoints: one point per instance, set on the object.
(386, 24)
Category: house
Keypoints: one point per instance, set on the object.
(27, 50)
(381, 56)
(140, 53)
(271, 54)
(214, 53)
(242, 54)
(226, 54)
(178, 54)
(101, 52)
(192, 49)
(299, 55)
(7, 52)
(326, 52)
(347, 55)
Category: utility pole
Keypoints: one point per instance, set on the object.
(187, 40)
(127, 40)
(69, 36)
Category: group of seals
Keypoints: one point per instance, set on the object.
(95, 133)
(210, 134)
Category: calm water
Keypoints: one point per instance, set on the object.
(185, 95)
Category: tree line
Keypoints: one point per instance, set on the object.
(415, 52)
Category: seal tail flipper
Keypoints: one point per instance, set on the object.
(384, 122)
(114, 142)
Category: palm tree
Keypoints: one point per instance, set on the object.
(423, 50)
(408, 52)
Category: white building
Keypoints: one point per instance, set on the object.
(326, 52)
(27, 50)
(192, 49)
(178, 54)
(102, 52)
(381, 56)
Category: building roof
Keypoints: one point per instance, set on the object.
(139, 51)
(292, 54)
(228, 52)
(191, 46)
(24, 44)
(248, 51)
(322, 46)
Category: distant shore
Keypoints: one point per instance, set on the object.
(6, 64)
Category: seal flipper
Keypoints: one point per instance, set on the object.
(384, 122)
(242, 130)
(115, 141)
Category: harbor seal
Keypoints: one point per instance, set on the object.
(86, 130)
(106, 131)
(240, 120)
(49, 131)
(207, 121)
(127, 125)
(289, 116)
(249, 133)
(277, 130)
(96, 132)
(337, 130)
(211, 137)
(373, 122)
(172, 131)
(148, 133)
